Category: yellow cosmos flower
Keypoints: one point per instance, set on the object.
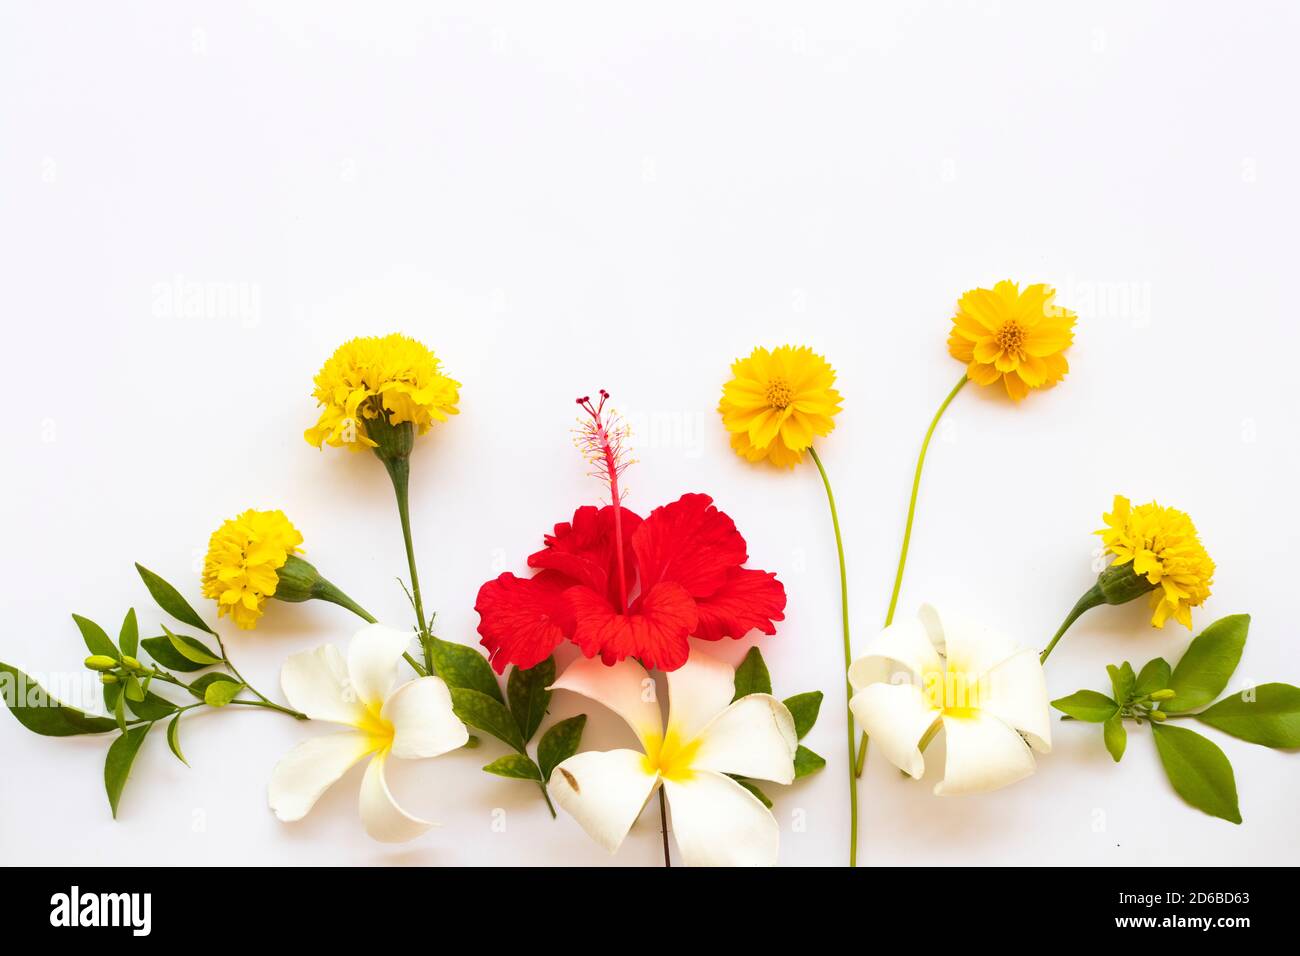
(778, 402)
(1018, 337)
(367, 376)
(244, 554)
(1164, 547)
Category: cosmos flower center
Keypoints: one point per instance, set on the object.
(779, 393)
(1011, 337)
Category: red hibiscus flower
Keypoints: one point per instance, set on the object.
(682, 563)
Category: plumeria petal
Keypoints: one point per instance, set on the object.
(310, 768)
(983, 754)
(316, 683)
(625, 688)
(970, 648)
(422, 718)
(604, 791)
(1015, 691)
(698, 691)
(372, 661)
(896, 717)
(903, 642)
(754, 737)
(717, 822)
(384, 820)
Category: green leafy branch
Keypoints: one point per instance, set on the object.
(127, 683)
(1198, 770)
(512, 718)
(752, 677)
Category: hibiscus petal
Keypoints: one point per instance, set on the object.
(384, 820)
(1015, 692)
(654, 631)
(625, 688)
(424, 724)
(698, 691)
(896, 717)
(584, 551)
(316, 683)
(690, 542)
(310, 768)
(604, 792)
(749, 599)
(521, 620)
(903, 643)
(754, 737)
(717, 822)
(983, 754)
(372, 661)
(971, 648)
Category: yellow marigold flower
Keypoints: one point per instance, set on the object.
(1018, 337)
(1163, 545)
(244, 554)
(367, 376)
(777, 402)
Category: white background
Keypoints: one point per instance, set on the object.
(558, 198)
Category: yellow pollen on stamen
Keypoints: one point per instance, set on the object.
(779, 393)
(670, 756)
(1011, 337)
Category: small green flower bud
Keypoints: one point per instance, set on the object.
(131, 664)
(1158, 717)
(108, 678)
(100, 662)
(1165, 694)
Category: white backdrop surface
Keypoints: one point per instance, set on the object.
(564, 197)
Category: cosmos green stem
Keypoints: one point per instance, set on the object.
(860, 761)
(848, 656)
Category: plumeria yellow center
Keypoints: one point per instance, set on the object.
(955, 692)
(1011, 337)
(670, 756)
(779, 393)
(374, 726)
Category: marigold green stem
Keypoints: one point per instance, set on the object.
(399, 469)
(848, 656)
(861, 760)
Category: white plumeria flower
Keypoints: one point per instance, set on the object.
(988, 695)
(413, 721)
(715, 820)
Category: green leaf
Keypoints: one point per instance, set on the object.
(200, 687)
(151, 706)
(753, 788)
(173, 739)
(806, 762)
(462, 666)
(559, 743)
(221, 692)
(752, 676)
(1116, 736)
(516, 767)
(1204, 670)
(1198, 770)
(528, 695)
(1122, 681)
(490, 716)
(1268, 715)
(1154, 676)
(117, 765)
(170, 600)
(111, 693)
(161, 650)
(41, 713)
(1089, 705)
(95, 638)
(804, 708)
(119, 713)
(185, 648)
(128, 639)
(132, 689)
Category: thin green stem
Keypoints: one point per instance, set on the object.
(399, 469)
(861, 760)
(848, 655)
(266, 701)
(663, 826)
(1091, 599)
